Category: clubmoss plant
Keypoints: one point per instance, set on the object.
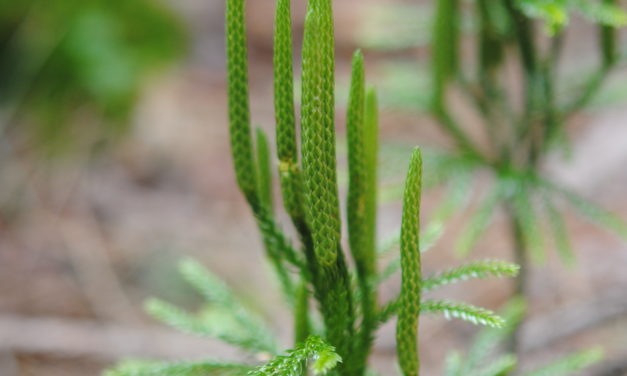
(317, 274)
(522, 123)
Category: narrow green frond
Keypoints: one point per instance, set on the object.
(529, 222)
(389, 270)
(553, 12)
(264, 169)
(589, 210)
(239, 111)
(491, 41)
(151, 368)
(388, 310)
(608, 38)
(462, 311)
(560, 234)
(499, 367)
(445, 47)
(489, 340)
(479, 222)
(409, 300)
(183, 321)
(323, 356)
(607, 13)
(477, 269)
(218, 294)
(570, 364)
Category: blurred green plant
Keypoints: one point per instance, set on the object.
(66, 61)
(346, 295)
(522, 123)
(520, 135)
(484, 358)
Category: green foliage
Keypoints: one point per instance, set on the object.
(484, 359)
(146, 368)
(445, 40)
(462, 311)
(225, 317)
(479, 269)
(318, 268)
(556, 13)
(519, 134)
(569, 364)
(63, 59)
(324, 359)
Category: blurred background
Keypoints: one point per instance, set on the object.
(115, 163)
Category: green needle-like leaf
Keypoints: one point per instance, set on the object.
(479, 222)
(323, 355)
(501, 366)
(445, 47)
(529, 224)
(218, 294)
(478, 269)
(409, 301)
(560, 234)
(569, 364)
(147, 368)
(588, 209)
(463, 311)
(181, 320)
